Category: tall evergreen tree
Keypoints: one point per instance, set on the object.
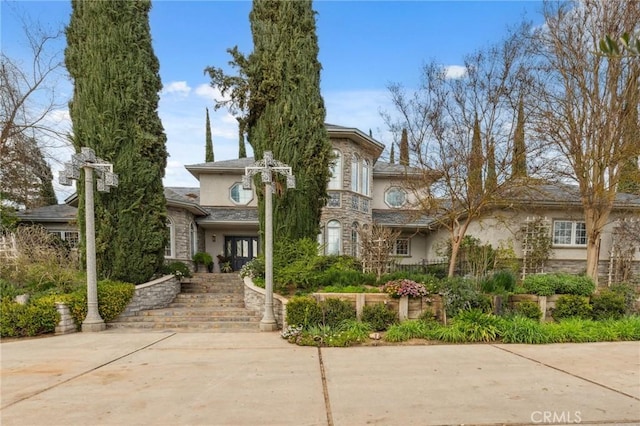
(519, 160)
(475, 163)
(404, 148)
(630, 177)
(287, 113)
(208, 155)
(114, 111)
(242, 149)
(492, 176)
(392, 154)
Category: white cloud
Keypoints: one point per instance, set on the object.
(210, 93)
(178, 87)
(455, 71)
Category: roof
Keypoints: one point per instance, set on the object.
(400, 218)
(382, 168)
(188, 198)
(55, 213)
(236, 215)
(561, 194)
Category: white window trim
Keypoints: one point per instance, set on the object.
(327, 236)
(356, 173)
(395, 247)
(366, 176)
(335, 182)
(193, 238)
(172, 248)
(238, 203)
(574, 226)
(406, 196)
(61, 233)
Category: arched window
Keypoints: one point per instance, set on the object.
(355, 173)
(169, 248)
(334, 231)
(355, 240)
(365, 177)
(335, 182)
(193, 238)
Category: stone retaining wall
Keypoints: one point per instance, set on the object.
(254, 300)
(155, 294)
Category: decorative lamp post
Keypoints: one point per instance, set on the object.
(267, 167)
(88, 161)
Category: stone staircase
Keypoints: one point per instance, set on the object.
(207, 303)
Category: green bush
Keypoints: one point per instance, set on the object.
(607, 305)
(179, 269)
(411, 329)
(202, 258)
(461, 294)
(379, 316)
(348, 289)
(113, 298)
(303, 311)
(559, 283)
(630, 294)
(335, 311)
(500, 282)
(477, 326)
(572, 306)
(519, 329)
(528, 309)
(8, 290)
(34, 318)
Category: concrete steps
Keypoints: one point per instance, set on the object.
(207, 303)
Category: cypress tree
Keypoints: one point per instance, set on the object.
(492, 177)
(630, 177)
(519, 160)
(404, 148)
(114, 111)
(475, 163)
(392, 154)
(208, 154)
(242, 150)
(287, 113)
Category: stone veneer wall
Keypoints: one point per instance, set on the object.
(153, 295)
(254, 300)
(580, 266)
(181, 245)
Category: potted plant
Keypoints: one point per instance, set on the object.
(203, 258)
(225, 263)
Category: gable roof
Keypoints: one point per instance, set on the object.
(58, 213)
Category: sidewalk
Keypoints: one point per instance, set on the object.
(125, 378)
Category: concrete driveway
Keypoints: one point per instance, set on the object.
(167, 378)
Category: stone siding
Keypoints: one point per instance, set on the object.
(181, 220)
(254, 301)
(67, 324)
(580, 266)
(155, 294)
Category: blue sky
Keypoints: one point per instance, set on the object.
(364, 45)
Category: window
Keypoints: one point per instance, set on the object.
(334, 231)
(365, 205)
(401, 247)
(72, 238)
(355, 202)
(355, 240)
(395, 197)
(335, 182)
(569, 233)
(240, 195)
(333, 199)
(193, 237)
(168, 249)
(355, 173)
(365, 177)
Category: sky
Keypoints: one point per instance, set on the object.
(363, 47)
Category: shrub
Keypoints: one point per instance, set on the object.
(354, 330)
(179, 269)
(348, 289)
(32, 319)
(303, 311)
(572, 306)
(335, 311)
(379, 316)
(460, 294)
(528, 309)
(499, 283)
(254, 268)
(630, 294)
(407, 330)
(8, 290)
(405, 287)
(519, 329)
(477, 326)
(113, 298)
(429, 281)
(607, 305)
(559, 283)
(628, 328)
(202, 258)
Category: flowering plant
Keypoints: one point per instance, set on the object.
(405, 287)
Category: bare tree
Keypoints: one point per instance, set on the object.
(588, 102)
(376, 244)
(440, 118)
(28, 100)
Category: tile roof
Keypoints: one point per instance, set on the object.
(55, 213)
(247, 215)
(406, 218)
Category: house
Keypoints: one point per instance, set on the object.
(221, 217)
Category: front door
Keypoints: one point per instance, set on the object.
(241, 250)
